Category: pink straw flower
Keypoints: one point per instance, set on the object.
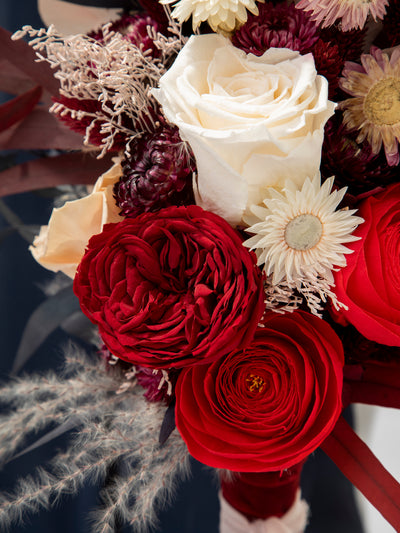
(353, 13)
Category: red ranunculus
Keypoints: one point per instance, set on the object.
(370, 282)
(265, 408)
(171, 288)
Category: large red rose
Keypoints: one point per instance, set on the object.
(265, 408)
(370, 282)
(171, 288)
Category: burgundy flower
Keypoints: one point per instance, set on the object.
(391, 24)
(350, 43)
(80, 125)
(171, 289)
(279, 26)
(353, 165)
(328, 63)
(158, 174)
(155, 382)
(134, 28)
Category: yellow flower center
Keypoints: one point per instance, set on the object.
(382, 103)
(255, 383)
(303, 232)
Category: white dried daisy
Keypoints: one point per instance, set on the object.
(223, 15)
(300, 236)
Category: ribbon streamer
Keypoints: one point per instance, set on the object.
(364, 470)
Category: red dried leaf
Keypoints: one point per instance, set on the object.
(40, 131)
(12, 80)
(363, 469)
(24, 58)
(19, 107)
(75, 168)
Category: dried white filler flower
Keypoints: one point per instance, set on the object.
(300, 237)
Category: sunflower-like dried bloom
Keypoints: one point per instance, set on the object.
(278, 26)
(353, 165)
(221, 15)
(158, 174)
(352, 13)
(374, 109)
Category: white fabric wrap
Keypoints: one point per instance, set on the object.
(294, 521)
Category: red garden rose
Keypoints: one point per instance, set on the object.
(370, 282)
(171, 288)
(265, 408)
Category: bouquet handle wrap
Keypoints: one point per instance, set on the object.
(267, 502)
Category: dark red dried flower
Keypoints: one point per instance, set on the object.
(134, 29)
(159, 386)
(353, 165)
(80, 125)
(391, 24)
(350, 43)
(357, 348)
(279, 26)
(158, 174)
(328, 63)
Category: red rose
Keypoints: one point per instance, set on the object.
(171, 288)
(265, 408)
(370, 282)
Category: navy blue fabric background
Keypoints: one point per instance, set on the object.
(196, 506)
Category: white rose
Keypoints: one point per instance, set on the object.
(252, 122)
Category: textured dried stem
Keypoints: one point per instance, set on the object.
(114, 427)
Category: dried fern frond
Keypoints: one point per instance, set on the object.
(114, 427)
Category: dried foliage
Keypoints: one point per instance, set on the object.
(114, 73)
(113, 429)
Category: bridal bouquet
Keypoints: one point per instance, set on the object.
(238, 257)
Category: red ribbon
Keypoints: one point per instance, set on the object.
(262, 494)
(363, 469)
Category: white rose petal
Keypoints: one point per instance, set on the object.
(252, 122)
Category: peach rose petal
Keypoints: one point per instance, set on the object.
(61, 244)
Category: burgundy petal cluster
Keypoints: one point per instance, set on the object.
(157, 174)
(279, 26)
(134, 28)
(171, 289)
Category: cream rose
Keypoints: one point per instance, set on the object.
(252, 122)
(61, 244)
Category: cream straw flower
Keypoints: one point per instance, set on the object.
(221, 15)
(300, 236)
